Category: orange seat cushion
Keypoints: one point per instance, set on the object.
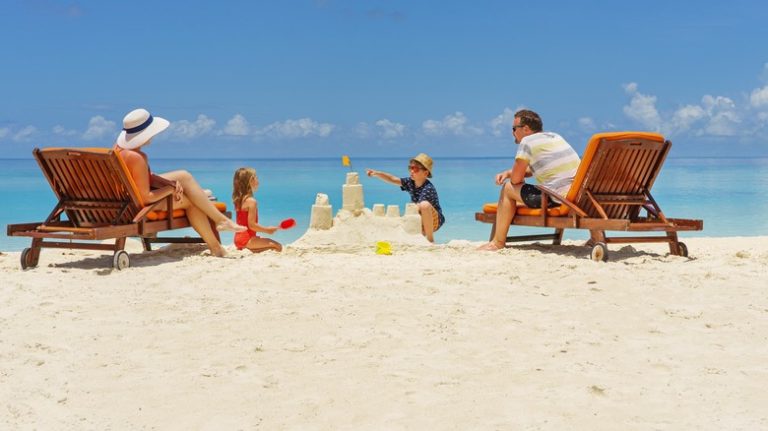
(558, 211)
(162, 215)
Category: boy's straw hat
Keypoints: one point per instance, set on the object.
(425, 161)
(139, 126)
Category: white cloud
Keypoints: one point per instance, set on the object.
(587, 124)
(25, 134)
(723, 118)
(362, 130)
(389, 129)
(59, 130)
(452, 124)
(642, 108)
(300, 128)
(237, 126)
(190, 130)
(759, 97)
(99, 127)
(4, 132)
(684, 118)
(501, 125)
(715, 115)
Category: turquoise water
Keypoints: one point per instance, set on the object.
(731, 195)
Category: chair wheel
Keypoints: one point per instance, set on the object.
(599, 252)
(121, 260)
(683, 249)
(29, 258)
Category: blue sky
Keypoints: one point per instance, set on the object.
(304, 78)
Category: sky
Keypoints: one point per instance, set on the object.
(382, 78)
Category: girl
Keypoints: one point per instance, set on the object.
(244, 185)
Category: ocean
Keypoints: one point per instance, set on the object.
(730, 195)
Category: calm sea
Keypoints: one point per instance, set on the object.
(731, 195)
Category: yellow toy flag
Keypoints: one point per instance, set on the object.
(345, 161)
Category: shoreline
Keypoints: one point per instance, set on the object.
(430, 337)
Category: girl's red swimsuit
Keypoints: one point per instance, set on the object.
(242, 238)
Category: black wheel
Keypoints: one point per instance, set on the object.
(29, 258)
(121, 260)
(683, 249)
(599, 252)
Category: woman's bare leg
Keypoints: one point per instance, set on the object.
(200, 223)
(257, 245)
(199, 199)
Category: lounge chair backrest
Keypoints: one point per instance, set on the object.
(92, 185)
(620, 166)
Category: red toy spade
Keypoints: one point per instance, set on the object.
(287, 223)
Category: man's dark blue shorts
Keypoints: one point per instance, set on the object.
(531, 196)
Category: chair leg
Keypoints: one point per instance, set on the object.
(674, 247)
(120, 243)
(31, 256)
(558, 237)
(493, 232)
(147, 243)
(595, 236)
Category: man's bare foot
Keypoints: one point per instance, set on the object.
(491, 246)
(230, 226)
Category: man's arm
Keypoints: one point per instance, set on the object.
(516, 175)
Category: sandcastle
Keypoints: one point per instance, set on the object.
(356, 224)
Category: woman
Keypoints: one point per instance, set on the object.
(139, 127)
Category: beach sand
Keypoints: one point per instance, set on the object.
(430, 337)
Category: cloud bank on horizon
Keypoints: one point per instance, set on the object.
(745, 116)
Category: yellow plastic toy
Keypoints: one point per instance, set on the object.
(383, 247)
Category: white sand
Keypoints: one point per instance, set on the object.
(442, 337)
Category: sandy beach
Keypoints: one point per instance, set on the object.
(430, 337)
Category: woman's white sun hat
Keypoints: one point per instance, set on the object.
(139, 126)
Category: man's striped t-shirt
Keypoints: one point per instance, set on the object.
(551, 159)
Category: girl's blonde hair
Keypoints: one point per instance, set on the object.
(241, 186)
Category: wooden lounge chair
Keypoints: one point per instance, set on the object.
(100, 201)
(611, 187)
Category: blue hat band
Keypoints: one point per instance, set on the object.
(140, 127)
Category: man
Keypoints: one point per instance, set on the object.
(544, 155)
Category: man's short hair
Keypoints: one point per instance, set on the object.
(530, 119)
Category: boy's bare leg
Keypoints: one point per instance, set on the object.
(427, 216)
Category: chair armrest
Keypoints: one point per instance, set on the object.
(562, 199)
(164, 193)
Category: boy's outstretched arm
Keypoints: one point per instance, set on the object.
(384, 176)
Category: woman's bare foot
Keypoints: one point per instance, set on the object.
(219, 252)
(230, 226)
(491, 246)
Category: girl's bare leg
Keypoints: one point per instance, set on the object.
(199, 199)
(257, 245)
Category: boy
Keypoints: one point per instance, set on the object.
(422, 191)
